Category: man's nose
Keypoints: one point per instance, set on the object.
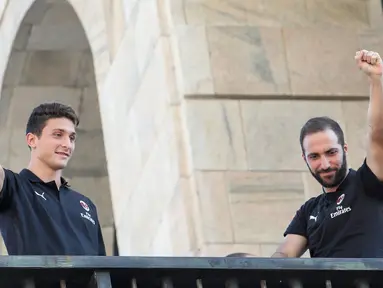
(67, 143)
(325, 163)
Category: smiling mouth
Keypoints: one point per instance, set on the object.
(63, 154)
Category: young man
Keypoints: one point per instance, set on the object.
(347, 219)
(39, 213)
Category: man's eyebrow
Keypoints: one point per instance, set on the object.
(63, 130)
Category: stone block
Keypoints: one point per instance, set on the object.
(15, 68)
(177, 14)
(174, 234)
(215, 12)
(60, 12)
(276, 13)
(5, 101)
(108, 235)
(262, 205)
(89, 114)
(345, 13)
(5, 144)
(19, 153)
(123, 79)
(157, 183)
(170, 61)
(248, 60)
(195, 61)
(25, 98)
(311, 186)
(216, 135)
(86, 72)
(214, 207)
(128, 6)
(272, 128)
(88, 159)
(148, 119)
(264, 186)
(116, 23)
(327, 68)
(22, 37)
(125, 180)
(371, 39)
(374, 8)
(97, 190)
(356, 128)
(44, 37)
(51, 68)
(183, 145)
(146, 32)
(36, 12)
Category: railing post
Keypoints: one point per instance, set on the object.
(100, 279)
(29, 283)
(167, 283)
(232, 283)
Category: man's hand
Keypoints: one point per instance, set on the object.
(370, 63)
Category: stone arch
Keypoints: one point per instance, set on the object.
(57, 50)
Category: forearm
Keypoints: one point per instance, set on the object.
(375, 109)
(279, 255)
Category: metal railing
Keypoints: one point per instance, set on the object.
(185, 272)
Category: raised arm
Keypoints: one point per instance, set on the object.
(2, 176)
(292, 246)
(371, 64)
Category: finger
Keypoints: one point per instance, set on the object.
(369, 56)
(358, 55)
(376, 58)
(364, 55)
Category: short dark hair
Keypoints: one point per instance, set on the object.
(42, 113)
(239, 254)
(319, 124)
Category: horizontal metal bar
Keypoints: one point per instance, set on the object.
(189, 263)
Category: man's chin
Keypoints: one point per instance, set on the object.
(59, 166)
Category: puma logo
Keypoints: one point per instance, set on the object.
(314, 218)
(41, 195)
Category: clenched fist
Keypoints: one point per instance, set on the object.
(370, 63)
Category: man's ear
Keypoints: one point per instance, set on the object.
(345, 148)
(31, 140)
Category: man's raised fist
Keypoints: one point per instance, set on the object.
(369, 62)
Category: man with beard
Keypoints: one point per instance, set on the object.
(346, 220)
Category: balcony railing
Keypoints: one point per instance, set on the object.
(181, 272)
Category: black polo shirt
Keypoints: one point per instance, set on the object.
(347, 223)
(38, 219)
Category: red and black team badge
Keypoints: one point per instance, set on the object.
(340, 199)
(84, 205)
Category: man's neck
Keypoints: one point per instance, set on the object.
(45, 173)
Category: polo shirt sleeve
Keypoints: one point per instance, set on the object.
(9, 188)
(372, 186)
(299, 223)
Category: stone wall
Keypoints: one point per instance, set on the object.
(254, 72)
(201, 103)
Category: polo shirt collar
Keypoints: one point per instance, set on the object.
(33, 177)
(342, 187)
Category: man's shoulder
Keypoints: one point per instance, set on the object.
(312, 202)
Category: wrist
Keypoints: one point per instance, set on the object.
(376, 80)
